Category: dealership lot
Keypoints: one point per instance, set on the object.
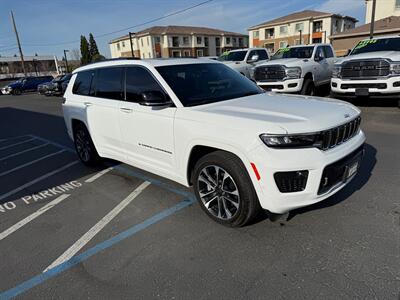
(68, 231)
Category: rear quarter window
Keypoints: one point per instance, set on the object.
(82, 83)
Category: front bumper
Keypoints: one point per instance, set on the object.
(271, 161)
(373, 87)
(6, 91)
(286, 86)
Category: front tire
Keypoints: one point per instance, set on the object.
(308, 87)
(17, 92)
(224, 189)
(84, 146)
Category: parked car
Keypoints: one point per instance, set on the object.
(243, 60)
(55, 87)
(43, 88)
(26, 84)
(202, 124)
(372, 69)
(297, 69)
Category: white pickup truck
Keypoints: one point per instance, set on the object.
(243, 60)
(297, 69)
(372, 69)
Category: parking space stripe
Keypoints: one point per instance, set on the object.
(14, 138)
(28, 184)
(33, 216)
(98, 175)
(79, 244)
(54, 144)
(42, 277)
(31, 162)
(23, 151)
(16, 144)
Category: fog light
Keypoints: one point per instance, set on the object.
(290, 182)
(334, 84)
(292, 85)
(396, 84)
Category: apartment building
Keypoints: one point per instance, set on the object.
(384, 9)
(177, 41)
(304, 27)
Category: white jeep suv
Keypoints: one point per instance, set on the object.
(371, 69)
(297, 69)
(201, 124)
(243, 60)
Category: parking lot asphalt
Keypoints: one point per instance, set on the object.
(73, 232)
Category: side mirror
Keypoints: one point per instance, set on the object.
(154, 98)
(253, 59)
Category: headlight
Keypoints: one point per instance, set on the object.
(395, 68)
(336, 71)
(9, 88)
(291, 141)
(293, 73)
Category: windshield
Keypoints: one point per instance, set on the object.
(372, 45)
(196, 84)
(293, 52)
(233, 56)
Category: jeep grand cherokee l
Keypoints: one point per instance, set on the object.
(202, 124)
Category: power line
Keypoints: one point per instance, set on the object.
(126, 28)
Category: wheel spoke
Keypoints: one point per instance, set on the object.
(207, 203)
(231, 201)
(228, 214)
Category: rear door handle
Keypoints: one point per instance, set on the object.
(88, 103)
(126, 110)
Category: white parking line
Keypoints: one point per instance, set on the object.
(16, 144)
(33, 216)
(14, 138)
(31, 162)
(54, 144)
(24, 151)
(79, 244)
(28, 184)
(98, 175)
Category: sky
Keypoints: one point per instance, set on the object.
(47, 27)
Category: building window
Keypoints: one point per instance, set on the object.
(299, 26)
(397, 5)
(228, 40)
(118, 47)
(175, 41)
(199, 40)
(256, 34)
(186, 53)
(206, 41)
(176, 53)
(234, 40)
(200, 53)
(283, 29)
(141, 40)
(123, 44)
(283, 44)
(269, 33)
(241, 44)
(186, 40)
(217, 41)
(317, 26)
(157, 40)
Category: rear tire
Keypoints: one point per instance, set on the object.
(308, 87)
(84, 146)
(224, 189)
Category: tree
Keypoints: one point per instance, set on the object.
(93, 50)
(85, 54)
(98, 57)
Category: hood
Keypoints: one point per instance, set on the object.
(289, 62)
(14, 84)
(232, 63)
(393, 55)
(279, 114)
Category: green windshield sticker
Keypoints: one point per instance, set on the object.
(282, 50)
(364, 43)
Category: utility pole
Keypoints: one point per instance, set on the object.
(324, 32)
(19, 44)
(66, 61)
(130, 39)
(300, 31)
(371, 34)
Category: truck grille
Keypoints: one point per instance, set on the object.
(269, 73)
(365, 69)
(338, 135)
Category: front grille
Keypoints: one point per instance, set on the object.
(290, 182)
(269, 73)
(335, 136)
(380, 86)
(365, 69)
(334, 174)
(272, 86)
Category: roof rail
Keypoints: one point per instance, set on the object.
(112, 59)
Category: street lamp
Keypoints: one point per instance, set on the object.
(66, 60)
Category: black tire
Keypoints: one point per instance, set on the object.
(246, 207)
(16, 92)
(308, 87)
(84, 146)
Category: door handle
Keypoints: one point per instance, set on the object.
(126, 110)
(88, 103)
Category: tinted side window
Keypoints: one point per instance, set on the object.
(328, 52)
(139, 80)
(262, 54)
(252, 52)
(82, 83)
(109, 83)
(319, 52)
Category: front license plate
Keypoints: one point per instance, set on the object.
(362, 92)
(351, 170)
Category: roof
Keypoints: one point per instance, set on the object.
(158, 62)
(26, 58)
(173, 29)
(388, 24)
(298, 16)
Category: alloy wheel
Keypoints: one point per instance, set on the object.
(83, 145)
(218, 192)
